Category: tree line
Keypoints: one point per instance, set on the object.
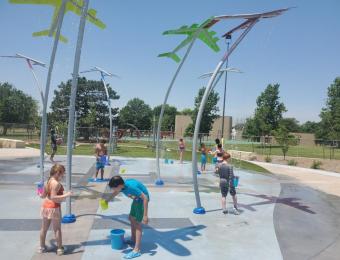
(92, 111)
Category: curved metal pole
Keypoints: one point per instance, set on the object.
(110, 114)
(160, 119)
(224, 95)
(43, 131)
(42, 123)
(69, 218)
(36, 80)
(199, 209)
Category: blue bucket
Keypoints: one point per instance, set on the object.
(235, 181)
(117, 238)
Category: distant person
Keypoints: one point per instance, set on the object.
(54, 145)
(233, 133)
(139, 209)
(100, 153)
(214, 149)
(226, 174)
(50, 212)
(203, 157)
(181, 147)
(218, 154)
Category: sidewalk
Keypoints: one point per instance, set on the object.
(6, 153)
(325, 181)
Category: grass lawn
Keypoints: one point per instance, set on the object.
(294, 151)
(127, 151)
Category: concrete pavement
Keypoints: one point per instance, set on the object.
(281, 218)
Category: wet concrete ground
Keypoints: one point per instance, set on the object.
(281, 219)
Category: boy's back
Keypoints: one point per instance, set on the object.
(135, 188)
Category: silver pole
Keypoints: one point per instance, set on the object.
(36, 80)
(110, 114)
(43, 131)
(42, 126)
(224, 93)
(69, 218)
(199, 209)
(75, 130)
(159, 181)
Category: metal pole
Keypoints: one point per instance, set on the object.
(159, 180)
(199, 209)
(110, 114)
(224, 94)
(154, 133)
(42, 155)
(70, 218)
(75, 130)
(36, 80)
(43, 131)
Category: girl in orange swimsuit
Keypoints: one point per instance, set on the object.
(50, 211)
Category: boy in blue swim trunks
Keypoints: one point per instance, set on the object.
(101, 152)
(139, 208)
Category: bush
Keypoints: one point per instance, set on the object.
(292, 162)
(268, 159)
(316, 165)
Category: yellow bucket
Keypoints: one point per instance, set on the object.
(103, 204)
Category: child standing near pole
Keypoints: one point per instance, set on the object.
(203, 157)
(139, 208)
(181, 147)
(100, 152)
(226, 174)
(50, 212)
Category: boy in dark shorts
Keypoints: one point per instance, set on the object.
(226, 174)
(53, 144)
(139, 208)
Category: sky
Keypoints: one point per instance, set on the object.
(299, 50)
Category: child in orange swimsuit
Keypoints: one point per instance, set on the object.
(50, 211)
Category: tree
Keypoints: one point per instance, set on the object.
(169, 117)
(291, 124)
(91, 104)
(16, 106)
(209, 113)
(186, 112)
(136, 112)
(310, 127)
(330, 114)
(268, 113)
(284, 139)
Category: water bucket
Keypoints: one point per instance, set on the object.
(117, 238)
(103, 204)
(235, 181)
(40, 188)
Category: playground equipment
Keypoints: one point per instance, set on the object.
(30, 63)
(73, 6)
(193, 32)
(246, 26)
(69, 217)
(61, 7)
(104, 74)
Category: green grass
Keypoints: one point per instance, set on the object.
(126, 151)
(294, 151)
